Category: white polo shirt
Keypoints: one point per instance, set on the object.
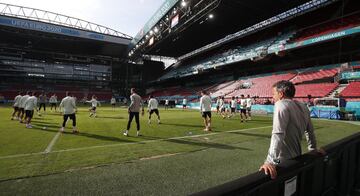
(153, 104)
(17, 101)
(30, 103)
(68, 105)
(205, 103)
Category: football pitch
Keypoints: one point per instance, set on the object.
(175, 157)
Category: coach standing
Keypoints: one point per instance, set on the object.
(291, 120)
(133, 111)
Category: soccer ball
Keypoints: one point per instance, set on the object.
(44, 128)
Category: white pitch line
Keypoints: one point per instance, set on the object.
(52, 143)
(130, 143)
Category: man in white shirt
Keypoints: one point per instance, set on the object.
(42, 101)
(133, 110)
(53, 102)
(15, 115)
(113, 102)
(153, 108)
(94, 104)
(249, 102)
(205, 109)
(184, 103)
(166, 104)
(233, 105)
(68, 107)
(30, 105)
(291, 121)
(22, 106)
(218, 105)
(243, 115)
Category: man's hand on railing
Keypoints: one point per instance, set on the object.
(269, 169)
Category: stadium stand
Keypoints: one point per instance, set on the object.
(327, 27)
(351, 91)
(315, 75)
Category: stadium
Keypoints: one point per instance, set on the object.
(188, 49)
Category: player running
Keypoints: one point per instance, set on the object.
(113, 102)
(249, 102)
(22, 106)
(94, 104)
(205, 109)
(16, 113)
(53, 102)
(243, 115)
(133, 110)
(68, 106)
(30, 105)
(153, 108)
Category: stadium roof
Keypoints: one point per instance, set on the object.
(228, 16)
(42, 29)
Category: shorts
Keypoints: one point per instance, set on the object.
(154, 110)
(93, 109)
(243, 111)
(184, 105)
(16, 108)
(217, 107)
(222, 109)
(29, 113)
(206, 114)
(52, 104)
(113, 104)
(248, 109)
(232, 110)
(22, 110)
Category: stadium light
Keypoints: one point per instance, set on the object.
(183, 3)
(151, 32)
(211, 16)
(156, 30)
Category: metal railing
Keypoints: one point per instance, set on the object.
(58, 19)
(336, 173)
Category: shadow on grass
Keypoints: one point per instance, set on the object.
(182, 125)
(252, 134)
(195, 143)
(206, 144)
(101, 137)
(111, 117)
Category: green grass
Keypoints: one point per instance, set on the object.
(175, 157)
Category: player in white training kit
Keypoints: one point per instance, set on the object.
(22, 106)
(16, 113)
(30, 105)
(184, 103)
(113, 102)
(68, 107)
(53, 102)
(249, 102)
(233, 106)
(133, 110)
(94, 104)
(243, 115)
(153, 108)
(205, 109)
(166, 104)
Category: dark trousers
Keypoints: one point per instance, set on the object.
(72, 117)
(42, 105)
(131, 116)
